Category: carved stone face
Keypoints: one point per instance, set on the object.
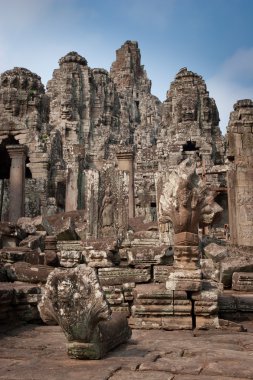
(186, 109)
(10, 102)
(67, 109)
(69, 259)
(189, 112)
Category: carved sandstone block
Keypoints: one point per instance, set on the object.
(242, 281)
(117, 276)
(188, 280)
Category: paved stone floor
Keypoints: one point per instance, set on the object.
(34, 352)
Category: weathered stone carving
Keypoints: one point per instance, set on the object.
(107, 209)
(186, 201)
(75, 300)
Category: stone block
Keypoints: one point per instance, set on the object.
(209, 270)
(186, 238)
(228, 267)
(227, 303)
(242, 281)
(215, 252)
(117, 276)
(144, 256)
(207, 322)
(186, 257)
(25, 272)
(64, 229)
(33, 242)
(185, 280)
(12, 255)
(26, 225)
(51, 258)
(161, 272)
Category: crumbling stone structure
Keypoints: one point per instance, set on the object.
(86, 174)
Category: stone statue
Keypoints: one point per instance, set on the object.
(188, 204)
(186, 201)
(74, 299)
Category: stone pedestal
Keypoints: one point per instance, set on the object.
(186, 275)
(125, 162)
(187, 280)
(186, 257)
(17, 154)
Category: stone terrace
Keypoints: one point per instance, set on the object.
(36, 352)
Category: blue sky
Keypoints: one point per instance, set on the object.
(213, 38)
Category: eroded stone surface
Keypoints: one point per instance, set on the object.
(221, 355)
(74, 299)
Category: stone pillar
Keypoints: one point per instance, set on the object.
(92, 202)
(71, 190)
(240, 173)
(17, 154)
(125, 162)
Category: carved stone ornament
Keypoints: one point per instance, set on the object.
(186, 201)
(74, 299)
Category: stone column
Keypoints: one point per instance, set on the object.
(17, 154)
(240, 173)
(71, 190)
(125, 162)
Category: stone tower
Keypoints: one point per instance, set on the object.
(23, 143)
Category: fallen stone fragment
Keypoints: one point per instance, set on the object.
(75, 300)
(242, 281)
(25, 272)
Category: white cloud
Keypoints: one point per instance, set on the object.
(233, 81)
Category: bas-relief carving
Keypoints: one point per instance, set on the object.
(107, 209)
(66, 108)
(245, 197)
(70, 259)
(187, 109)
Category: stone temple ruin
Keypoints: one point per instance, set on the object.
(107, 192)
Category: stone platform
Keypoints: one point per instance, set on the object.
(38, 352)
